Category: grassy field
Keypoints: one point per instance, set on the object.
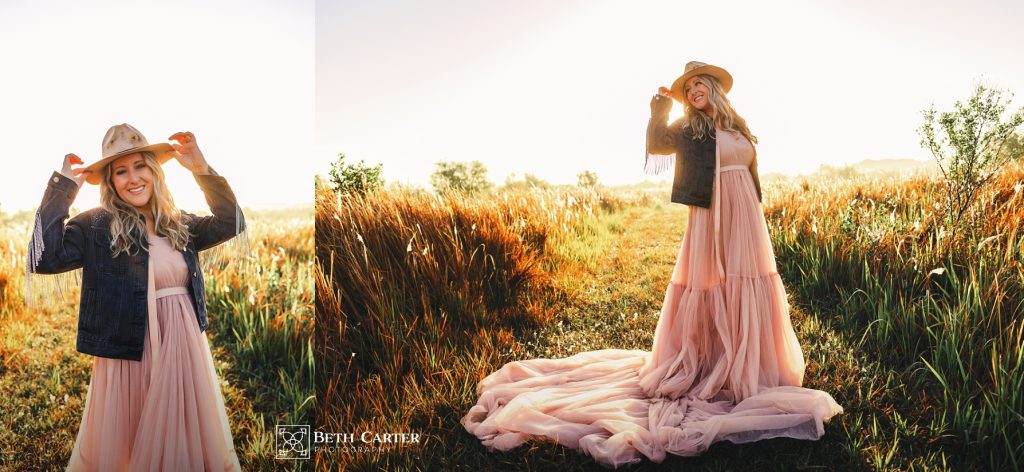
(419, 298)
(261, 314)
(943, 310)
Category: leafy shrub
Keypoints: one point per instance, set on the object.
(969, 144)
(355, 178)
(586, 179)
(461, 177)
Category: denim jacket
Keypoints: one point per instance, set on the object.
(694, 159)
(113, 307)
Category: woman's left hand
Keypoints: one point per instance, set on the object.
(189, 154)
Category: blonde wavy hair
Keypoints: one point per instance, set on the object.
(128, 226)
(726, 117)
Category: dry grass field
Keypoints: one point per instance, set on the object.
(915, 330)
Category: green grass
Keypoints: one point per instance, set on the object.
(944, 314)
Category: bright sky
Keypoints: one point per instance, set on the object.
(553, 88)
(238, 74)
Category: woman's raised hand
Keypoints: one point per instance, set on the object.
(667, 92)
(77, 175)
(189, 154)
(661, 99)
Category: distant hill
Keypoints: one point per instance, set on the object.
(646, 185)
(893, 165)
(867, 166)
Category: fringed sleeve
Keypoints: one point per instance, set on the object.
(227, 220)
(657, 163)
(53, 247)
(226, 224)
(660, 145)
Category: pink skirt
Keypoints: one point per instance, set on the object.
(725, 364)
(165, 412)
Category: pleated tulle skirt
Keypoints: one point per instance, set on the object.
(165, 412)
(725, 364)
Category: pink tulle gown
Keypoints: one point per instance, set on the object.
(165, 412)
(726, 364)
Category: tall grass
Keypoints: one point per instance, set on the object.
(265, 299)
(420, 296)
(946, 311)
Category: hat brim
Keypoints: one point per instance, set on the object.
(719, 73)
(163, 151)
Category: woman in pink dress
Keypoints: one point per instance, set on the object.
(154, 399)
(726, 363)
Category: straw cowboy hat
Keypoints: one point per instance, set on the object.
(696, 68)
(121, 140)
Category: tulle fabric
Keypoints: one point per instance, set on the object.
(730, 339)
(725, 364)
(165, 412)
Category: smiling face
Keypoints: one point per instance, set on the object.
(132, 179)
(696, 91)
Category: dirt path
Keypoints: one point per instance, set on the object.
(615, 302)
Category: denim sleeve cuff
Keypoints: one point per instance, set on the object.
(61, 183)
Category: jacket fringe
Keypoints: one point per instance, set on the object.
(234, 250)
(57, 284)
(33, 256)
(655, 164)
(658, 163)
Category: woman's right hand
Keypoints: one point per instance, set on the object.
(660, 101)
(77, 175)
